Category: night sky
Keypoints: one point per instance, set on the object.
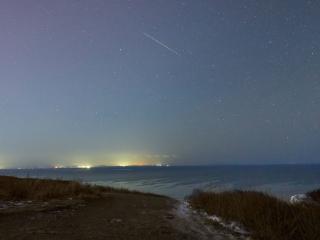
(115, 82)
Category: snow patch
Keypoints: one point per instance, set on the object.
(185, 211)
(14, 204)
(232, 226)
(298, 198)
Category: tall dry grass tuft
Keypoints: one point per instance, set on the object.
(314, 195)
(266, 217)
(12, 188)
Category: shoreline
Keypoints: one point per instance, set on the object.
(178, 182)
(94, 212)
(57, 209)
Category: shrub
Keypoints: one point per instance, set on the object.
(266, 217)
(12, 188)
(314, 195)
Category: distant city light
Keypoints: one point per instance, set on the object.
(123, 165)
(162, 165)
(58, 167)
(84, 166)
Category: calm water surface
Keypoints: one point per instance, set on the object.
(178, 182)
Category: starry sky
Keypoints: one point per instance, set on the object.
(122, 82)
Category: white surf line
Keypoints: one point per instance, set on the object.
(160, 43)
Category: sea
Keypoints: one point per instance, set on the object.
(179, 182)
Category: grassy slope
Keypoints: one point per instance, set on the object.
(265, 216)
(12, 188)
(314, 195)
(105, 213)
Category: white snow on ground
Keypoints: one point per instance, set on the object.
(14, 204)
(183, 210)
(232, 226)
(298, 198)
(197, 222)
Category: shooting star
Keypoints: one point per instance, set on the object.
(160, 43)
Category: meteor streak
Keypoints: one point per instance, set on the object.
(160, 43)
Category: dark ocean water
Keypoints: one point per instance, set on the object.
(178, 182)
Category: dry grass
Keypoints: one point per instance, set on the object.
(314, 195)
(12, 188)
(266, 217)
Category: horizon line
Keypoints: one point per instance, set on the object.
(154, 165)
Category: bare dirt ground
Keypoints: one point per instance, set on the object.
(116, 216)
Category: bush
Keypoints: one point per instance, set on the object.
(266, 217)
(314, 195)
(12, 188)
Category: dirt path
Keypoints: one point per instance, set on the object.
(194, 224)
(118, 216)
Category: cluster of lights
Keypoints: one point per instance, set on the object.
(162, 165)
(84, 166)
(58, 167)
(78, 166)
